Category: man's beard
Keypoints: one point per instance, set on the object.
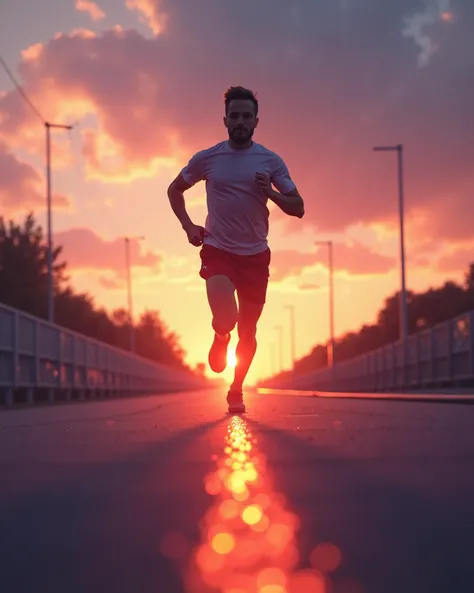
(240, 136)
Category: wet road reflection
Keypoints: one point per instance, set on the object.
(248, 535)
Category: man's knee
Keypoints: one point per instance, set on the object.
(220, 290)
(224, 323)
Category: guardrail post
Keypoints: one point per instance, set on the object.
(16, 346)
(405, 363)
(10, 393)
(59, 362)
(432, 354)
(73, 367)
(449, 325)
(32, 363)
(418, 359)
(37, 349)
(471, 342)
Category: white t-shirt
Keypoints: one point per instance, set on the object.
(237, 219)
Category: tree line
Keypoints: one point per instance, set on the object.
(425, 309)
(24, 286)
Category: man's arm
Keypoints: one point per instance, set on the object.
(176, 197)
(188, 177)
(291, 202)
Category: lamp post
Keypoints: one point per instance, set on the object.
(403, 296)
(330, 350)
(48, 127)
(129, 289)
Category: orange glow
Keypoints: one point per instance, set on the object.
(252, 515)
(229, 509)
(272, 589)
(309, 581)
(325, 557)
(248, 537)
(271, 576)
(231, 359)
(447, 16)
(156, 22)
(91, 8)
(223, 543)
(33, 52)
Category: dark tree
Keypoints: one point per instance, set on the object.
(24, 267)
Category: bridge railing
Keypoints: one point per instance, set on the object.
(40, 361)
(438, 357)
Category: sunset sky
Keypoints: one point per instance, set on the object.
(143, 81)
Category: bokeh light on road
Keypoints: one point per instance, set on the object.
(248, 535)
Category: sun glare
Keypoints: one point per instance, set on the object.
(231, 358)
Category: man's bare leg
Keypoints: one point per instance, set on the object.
(249, 314)
(221, 297)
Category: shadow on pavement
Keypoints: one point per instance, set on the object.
(99, 529)
(392, 538)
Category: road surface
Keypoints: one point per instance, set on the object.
(169, 494)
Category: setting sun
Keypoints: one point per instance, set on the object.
(231, 358)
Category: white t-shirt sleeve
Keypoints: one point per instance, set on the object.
(281, 177)
(194, 170)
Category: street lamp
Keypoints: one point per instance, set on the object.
(403, 296)
(48, 127)
(291, 309)
(330, 349)
(129, 289)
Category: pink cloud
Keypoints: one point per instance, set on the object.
(22, 187)
(289, 263)
(451, 213)
(310, 286)
(91, 8)
(82, 74)
(85, 250)
(457, 260)
(149, 14)
(112, 283)
(355, 259)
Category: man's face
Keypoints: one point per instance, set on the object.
(241, 120)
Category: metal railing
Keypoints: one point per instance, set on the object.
(435, 358)
(40, 361)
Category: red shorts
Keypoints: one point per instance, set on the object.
(249, 273)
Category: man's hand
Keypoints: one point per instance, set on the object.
(195, 234)
(264, 183)
(290, 203)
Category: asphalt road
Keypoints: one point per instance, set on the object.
(169, 494)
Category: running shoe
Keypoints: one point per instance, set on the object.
(218, 353)
(235, 401)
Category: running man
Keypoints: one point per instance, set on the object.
(235, 256)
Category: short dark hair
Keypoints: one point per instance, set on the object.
(240, 93)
